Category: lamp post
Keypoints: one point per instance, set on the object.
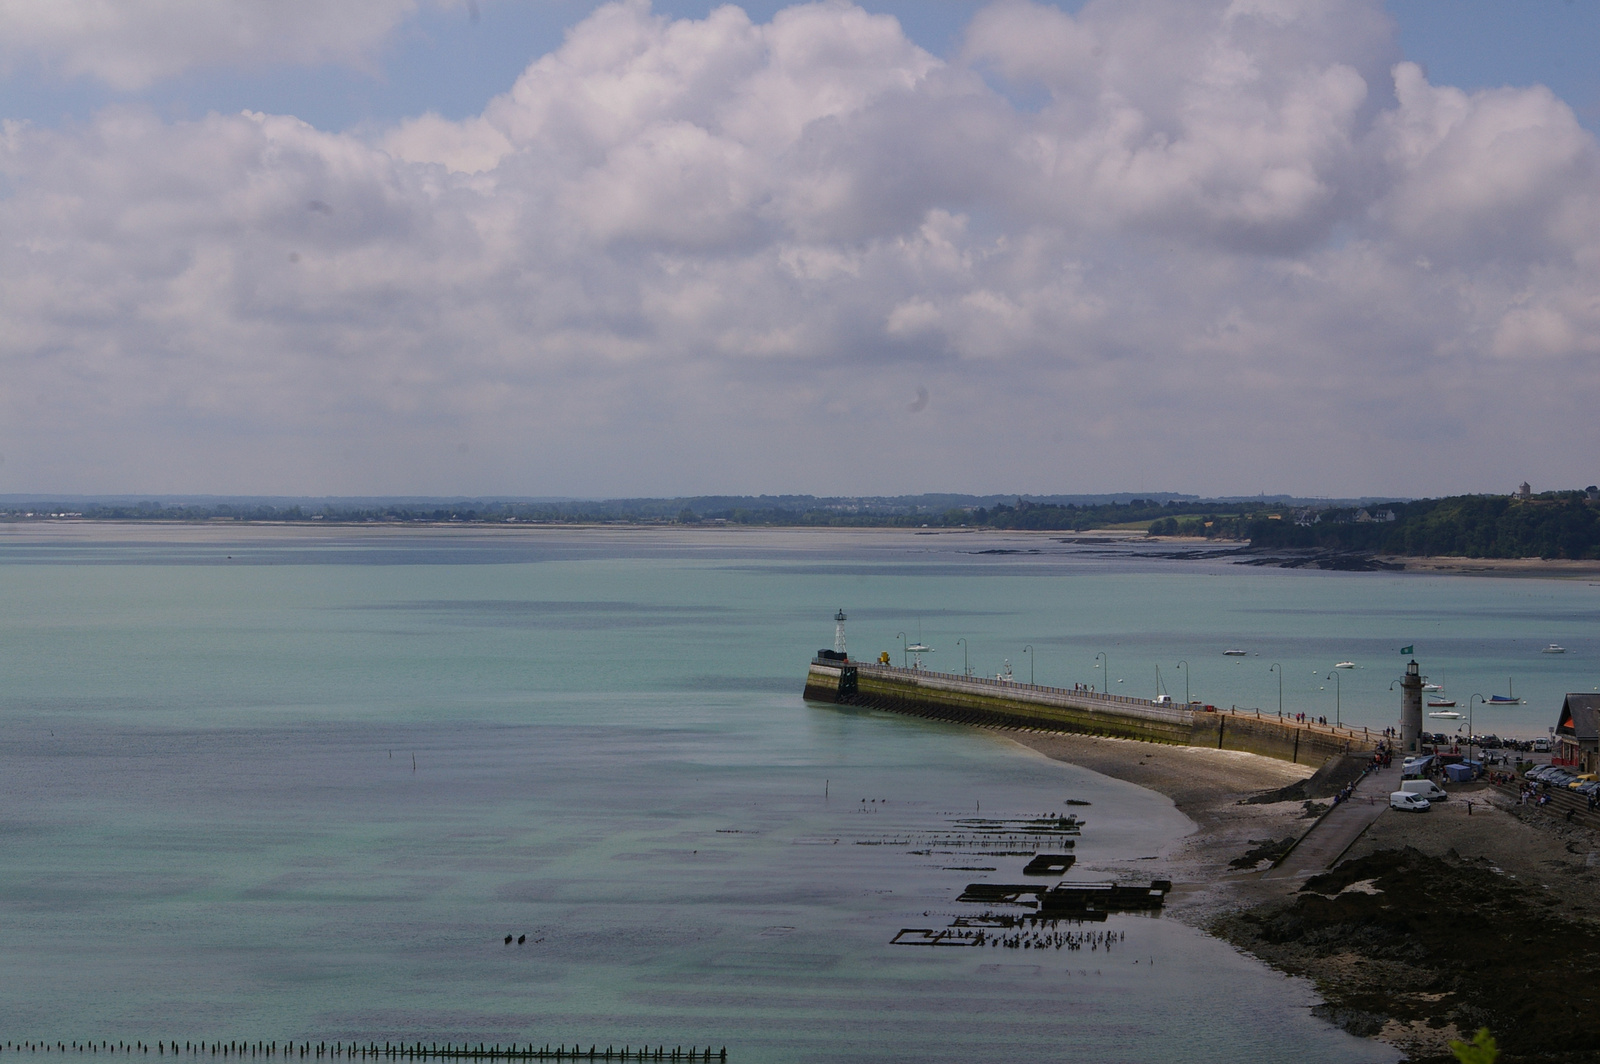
(1028, 650)
(1279, 670)
(1485, 701)
(1338, 695)
(1184, 665)
(1106, 687)
(902, 637)
(965, 671)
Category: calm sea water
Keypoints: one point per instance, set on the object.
(300, 783)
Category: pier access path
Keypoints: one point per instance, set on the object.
(1339, 828)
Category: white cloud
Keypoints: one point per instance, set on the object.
(131, 44)
(1217, 247)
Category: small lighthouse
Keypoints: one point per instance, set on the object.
(838, 633)
(1411, 710)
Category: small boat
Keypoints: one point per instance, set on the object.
(1448, 714)
(1508, 699)
(1345, 665)
(1005, 675)
(1234, 653)
(1433, 687)
(1553, 649)
(1442, 703)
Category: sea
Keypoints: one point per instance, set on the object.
(301, 782)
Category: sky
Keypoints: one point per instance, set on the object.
(568, 248)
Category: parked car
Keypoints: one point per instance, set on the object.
(1412, 803)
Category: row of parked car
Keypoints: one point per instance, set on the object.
(1554, 776)
(1488, 742)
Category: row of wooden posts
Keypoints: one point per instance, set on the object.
(389, 1050)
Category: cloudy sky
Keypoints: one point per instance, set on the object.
(1329, 247)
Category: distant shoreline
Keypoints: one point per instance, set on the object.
(1203, 549)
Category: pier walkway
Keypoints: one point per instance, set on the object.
(1006, 703)
(1339, 828)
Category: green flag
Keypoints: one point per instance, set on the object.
(1408, 650)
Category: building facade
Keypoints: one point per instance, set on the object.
(1578, 732)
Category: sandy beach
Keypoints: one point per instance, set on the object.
(1207, 786)
(1542, 568)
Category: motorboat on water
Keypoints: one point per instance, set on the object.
(1234, 653)
(1554, 649)
(1442, 703)
(1447, 714)
(1345, 665)
(1433, 687)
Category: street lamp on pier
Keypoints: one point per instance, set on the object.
(1103, 662)
(903, 653)
(1028, 650)
(1485, 701)
(1279, 670)
(1184, 665)
(1338, 696)
(965, 671)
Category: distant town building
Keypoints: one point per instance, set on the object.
(1524, 492)
(1363, 517)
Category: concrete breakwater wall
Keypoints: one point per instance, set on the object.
(976, 700)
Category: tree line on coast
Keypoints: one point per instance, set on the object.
(1551, 525)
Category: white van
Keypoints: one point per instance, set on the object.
(1408, 801)
(1426, 788)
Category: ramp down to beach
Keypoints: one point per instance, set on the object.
(1002, 703)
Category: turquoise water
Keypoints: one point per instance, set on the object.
(300, 783)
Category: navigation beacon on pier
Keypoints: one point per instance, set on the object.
(838, 635)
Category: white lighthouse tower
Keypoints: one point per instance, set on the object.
(838, 633)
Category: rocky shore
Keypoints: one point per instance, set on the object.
(1433, 924)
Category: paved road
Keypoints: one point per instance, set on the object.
(1331, 836)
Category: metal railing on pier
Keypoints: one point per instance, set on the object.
(1142, 707)
(1081, 697)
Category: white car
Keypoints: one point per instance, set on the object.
(1406, 800)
